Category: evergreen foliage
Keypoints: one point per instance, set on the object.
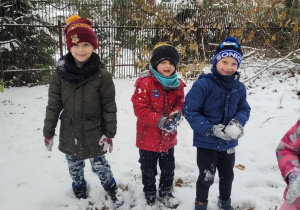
(25, 45)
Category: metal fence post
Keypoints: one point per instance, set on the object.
(60, 37)
(229, 27)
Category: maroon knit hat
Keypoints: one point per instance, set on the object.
(79, 30)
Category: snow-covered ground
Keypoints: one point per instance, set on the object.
(33, 178)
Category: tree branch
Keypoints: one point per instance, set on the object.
(278, 61)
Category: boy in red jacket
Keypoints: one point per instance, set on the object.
(157, 103)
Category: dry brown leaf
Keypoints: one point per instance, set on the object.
(192, 29)
(202, 65)
(238, 32)
(241, 167)
(191, 23)
(182, 51)
(251, 36)
(270, 12)
(267, 41)
(283, 14)
(254, 20)
(287, 22)
(195, 60)
(258, 8)
(296, 27)
(171, 37)
(193, 46)
(178, 182)
(157, 21)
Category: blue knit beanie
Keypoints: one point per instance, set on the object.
(230, 47)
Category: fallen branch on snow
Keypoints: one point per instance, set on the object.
(278, 61)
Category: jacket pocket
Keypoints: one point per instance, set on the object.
(93, 124)
(66, 129)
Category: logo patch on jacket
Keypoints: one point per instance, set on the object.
(155, 92)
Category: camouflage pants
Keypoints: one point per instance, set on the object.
(100, 167)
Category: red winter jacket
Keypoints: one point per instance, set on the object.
(150, 103)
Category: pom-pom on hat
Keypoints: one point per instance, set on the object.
(230, 47)
(164, 51)
(79, 30)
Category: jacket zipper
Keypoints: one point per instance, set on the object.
(83, 112)
(226, 105)
(164, 112)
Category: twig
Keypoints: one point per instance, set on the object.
(278, 61)
(276, 117)
(280, 101)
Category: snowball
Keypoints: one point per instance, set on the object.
(233, 131)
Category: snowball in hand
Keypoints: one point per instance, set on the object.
(233, 131)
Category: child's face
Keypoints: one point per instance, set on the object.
(227, 66)
(82, 52)
(165, 68)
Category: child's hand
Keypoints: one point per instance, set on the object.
(234, 129)
(49, 143)
(169, 123)
(293, 190)
(217, 130)
(174, 119)
(107, 143)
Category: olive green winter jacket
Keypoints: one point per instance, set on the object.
(87, 111)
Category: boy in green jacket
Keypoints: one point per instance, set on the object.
(82, 96)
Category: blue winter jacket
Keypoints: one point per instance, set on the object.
(208, 103)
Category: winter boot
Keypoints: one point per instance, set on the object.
(167, 198)
(200, 205)
(224, 205)
(150, 197)
(80, 191)
(116, 197)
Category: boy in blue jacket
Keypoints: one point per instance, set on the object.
(217, 110)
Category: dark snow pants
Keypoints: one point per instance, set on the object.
(100, 167)
(208, 161)
(148, 161)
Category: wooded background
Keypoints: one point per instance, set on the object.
(32, 39)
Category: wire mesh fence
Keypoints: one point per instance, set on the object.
(32, 39)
